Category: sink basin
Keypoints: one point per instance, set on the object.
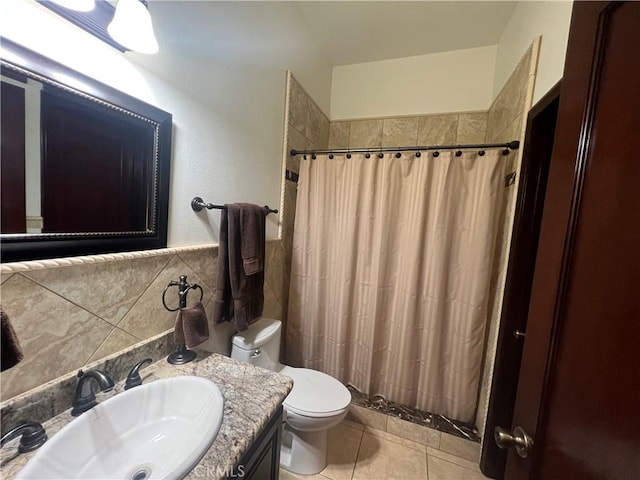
(158, 430)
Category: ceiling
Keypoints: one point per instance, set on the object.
(343, 32)
(357, 32)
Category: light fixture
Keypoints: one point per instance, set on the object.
(77, 5)
(131, 26)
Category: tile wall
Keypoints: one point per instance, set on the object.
(86, 308)
(306, 128)
(506, 121)
(448, 128)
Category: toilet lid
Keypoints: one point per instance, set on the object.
(314, 393)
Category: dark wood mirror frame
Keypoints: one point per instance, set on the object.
(33, 247)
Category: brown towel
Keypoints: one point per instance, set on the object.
(10, 351)
(192, 327)
(240, 282)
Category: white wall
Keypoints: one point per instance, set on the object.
(550, 19)
(228, 115)
(455, 81)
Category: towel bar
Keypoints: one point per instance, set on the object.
(198, 204)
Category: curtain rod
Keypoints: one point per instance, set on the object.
(513, 145)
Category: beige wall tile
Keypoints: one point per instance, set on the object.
(298, 107)
(148, 317)
(116, 340)
(511, 100)
(318, 126)
(274, 268)
(367, 417)
(381, 459)
(400, 132)
(219, 334)
(272, 304)
(55, 335)
(339, 134)
(413, 431)
(295, 141)
(438, 129)
(460, 447)
(365, 134)
(107, 289)
(343, 446)
(471, 127)
(204, 264)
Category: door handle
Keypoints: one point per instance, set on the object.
(519, 439)
(518, 334)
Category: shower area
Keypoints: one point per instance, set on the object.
(394, 255)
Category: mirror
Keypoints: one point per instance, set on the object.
(85, 168)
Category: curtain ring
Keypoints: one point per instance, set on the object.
(313, 157)
(418, 154)
(380, 155)
(436, 154)
(459, 153)
(348, 155)
(367, 155)
(398, 154)
(481, 153)
(304, 157)
(506, 151)
(331, 156)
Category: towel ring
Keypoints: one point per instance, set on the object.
(173, 283)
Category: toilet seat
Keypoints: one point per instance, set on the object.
(315, 394)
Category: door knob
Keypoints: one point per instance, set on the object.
(519, 439)
(518, 334)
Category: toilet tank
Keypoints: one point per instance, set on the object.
(259, 345)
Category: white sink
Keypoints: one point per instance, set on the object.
(157, 430)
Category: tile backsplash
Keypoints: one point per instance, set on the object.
(73, 311)
(441, 129)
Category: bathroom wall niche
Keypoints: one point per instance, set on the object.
(85, 167)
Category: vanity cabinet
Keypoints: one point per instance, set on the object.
(262, 460)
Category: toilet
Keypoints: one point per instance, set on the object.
(316, 403)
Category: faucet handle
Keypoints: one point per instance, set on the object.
(133, 378)
(32, 436)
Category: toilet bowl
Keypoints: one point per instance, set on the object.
(316, 403)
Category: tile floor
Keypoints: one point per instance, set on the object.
(362, 452)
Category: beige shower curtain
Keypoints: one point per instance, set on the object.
(390, 273)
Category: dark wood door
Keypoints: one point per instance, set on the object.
(579, 387)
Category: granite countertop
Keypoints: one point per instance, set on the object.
(251, 396)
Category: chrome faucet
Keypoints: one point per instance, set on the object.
(84, 398)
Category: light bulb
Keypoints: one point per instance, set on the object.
(131, 27)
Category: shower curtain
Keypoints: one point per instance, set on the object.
(390, 273)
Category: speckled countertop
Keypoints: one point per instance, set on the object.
(251, 396)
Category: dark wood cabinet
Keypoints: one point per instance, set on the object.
(262, 461)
